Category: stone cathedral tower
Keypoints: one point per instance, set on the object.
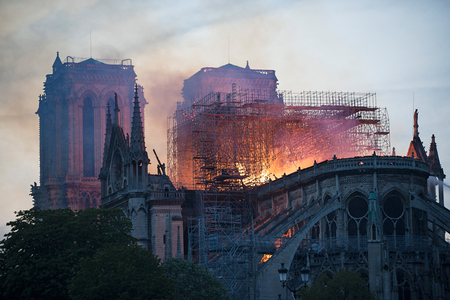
(72, 128)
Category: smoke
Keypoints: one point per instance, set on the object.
(162, 91)
(311, 45)
(436, 181)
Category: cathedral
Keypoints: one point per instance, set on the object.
(72, 126)
(382, 217)
(79, 139)
(379, 214)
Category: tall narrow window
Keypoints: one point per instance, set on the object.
(88, 139)
(357, 209)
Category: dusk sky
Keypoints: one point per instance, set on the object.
(398, 49)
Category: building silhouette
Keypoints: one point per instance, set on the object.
(223, 79)
(366, 210)
(72, 113)
(149, 200)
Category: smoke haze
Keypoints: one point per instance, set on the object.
(395, 49)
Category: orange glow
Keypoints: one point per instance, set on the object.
(227, 145)
(288, 233)
(265, 258)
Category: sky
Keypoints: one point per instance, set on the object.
(398, 49)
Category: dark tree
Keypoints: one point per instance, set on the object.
(344, 285)
(127, 272)
(192, 281)
(40, 254)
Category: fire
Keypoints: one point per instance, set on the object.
(265, 258)
(228, 143)
(250, 179)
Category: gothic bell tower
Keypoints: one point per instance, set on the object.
(72, 127)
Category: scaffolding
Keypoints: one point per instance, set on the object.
(228, 244)
(225, 143)
(230, 141)
(219, 242)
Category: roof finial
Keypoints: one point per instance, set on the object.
(247, 66)
(416, 124)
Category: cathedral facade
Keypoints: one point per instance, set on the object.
(72, 124)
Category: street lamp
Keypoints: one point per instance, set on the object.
(305, 274)
(282, 272)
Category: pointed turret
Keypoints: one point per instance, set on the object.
(108, 133)
(416, 147)
(436, 171)
(137, 155)
(116, 110)
(433, 160)
(137, 143)
(57, 63)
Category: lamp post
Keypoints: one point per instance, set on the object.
(282, 272)
(305, 274)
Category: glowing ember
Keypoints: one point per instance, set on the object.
(265, 258)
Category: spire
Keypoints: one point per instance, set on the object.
(108, 119)
(57, 63)
(247, 66)
(433, 160)
(108, 132)
(137, 143)
(116, 110)
(416, 147)
(416, 124)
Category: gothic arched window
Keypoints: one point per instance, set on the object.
(357, 209)
(393, 208)
(88, 139)
(330, 221)
(404, 287)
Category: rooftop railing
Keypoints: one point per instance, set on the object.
(355, 164)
